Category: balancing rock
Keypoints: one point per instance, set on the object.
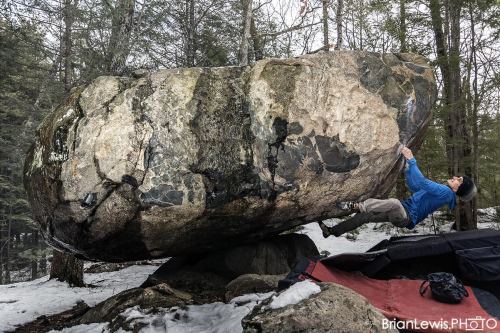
(189, 160)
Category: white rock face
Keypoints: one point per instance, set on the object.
(193, 159)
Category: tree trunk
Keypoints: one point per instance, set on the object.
(360, 23)
(119, 41)
(402, 26)
(42, 262)
(475, 107)
(495, 192)
(34, 269)
(460, 134)
(258, 43)
(65, 267)
(338, 18)
(247, 22)
(2, 247)
(43, 265)
(442, 54)
(326, 41)
(34, 261)
(60, 71)
(7, 252)
(457, 142)
(68, 18)
(496, 175)
(190, 31)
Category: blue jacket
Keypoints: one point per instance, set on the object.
(427, 196)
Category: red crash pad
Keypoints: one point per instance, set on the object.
(400, 302)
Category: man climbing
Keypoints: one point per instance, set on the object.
(427, 197)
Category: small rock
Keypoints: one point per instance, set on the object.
(161, 295)
(138, 73)
(335, 309)
(252, 283)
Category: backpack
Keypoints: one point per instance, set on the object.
(445, 287)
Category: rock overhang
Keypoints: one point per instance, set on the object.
(188, 160)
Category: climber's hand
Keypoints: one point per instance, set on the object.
(407, 153)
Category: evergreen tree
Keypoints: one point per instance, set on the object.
(23, 70)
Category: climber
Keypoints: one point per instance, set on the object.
(427, 197)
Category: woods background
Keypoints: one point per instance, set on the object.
(48, 47)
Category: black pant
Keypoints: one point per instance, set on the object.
(358, 220)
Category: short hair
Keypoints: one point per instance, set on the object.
(467, 190)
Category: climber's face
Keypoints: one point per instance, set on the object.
(455, 182)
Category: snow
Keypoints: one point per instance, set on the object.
(207, 318)
(23, 302)
(366, 238)
(296, 293)
(85, 328)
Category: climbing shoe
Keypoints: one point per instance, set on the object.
(324, 229)
(347, 205)
(350, 224)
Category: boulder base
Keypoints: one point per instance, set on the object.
(249, 268)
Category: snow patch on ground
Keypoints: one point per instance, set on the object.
(85, 328)
(296, 293)
(207, 318)
(25, 301)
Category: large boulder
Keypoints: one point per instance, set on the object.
(189, 160)
(334, 309)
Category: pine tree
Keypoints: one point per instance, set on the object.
(23, 67)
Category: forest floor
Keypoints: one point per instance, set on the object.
(35, 305)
